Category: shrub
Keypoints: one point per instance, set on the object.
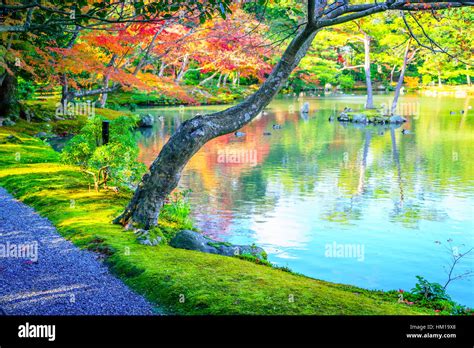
(433, 295)
(411, 82)
(424, 290)
(346, 81)
(426, 79)
(115, 162)
(26, 89)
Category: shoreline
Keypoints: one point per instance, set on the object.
(163, 273)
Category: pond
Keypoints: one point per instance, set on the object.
(366, 206)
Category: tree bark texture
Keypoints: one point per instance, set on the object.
(165, 172)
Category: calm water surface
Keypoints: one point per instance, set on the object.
(314, 186)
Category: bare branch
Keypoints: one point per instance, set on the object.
(432, 42)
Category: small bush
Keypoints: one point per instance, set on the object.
(254, 259)
(432, 295)
(114, 162)
(26, 89)
(346, 81)
(411, 82)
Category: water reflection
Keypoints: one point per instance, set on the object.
(315, 182)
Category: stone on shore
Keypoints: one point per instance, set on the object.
(192, 240)
(146, 121)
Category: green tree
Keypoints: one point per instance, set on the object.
(112, 163)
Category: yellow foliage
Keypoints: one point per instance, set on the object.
(411, 82)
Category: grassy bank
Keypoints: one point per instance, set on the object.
(181, 281)
(44, 120)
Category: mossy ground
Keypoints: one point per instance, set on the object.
(180, 281)
(210, 95)
(45, 109)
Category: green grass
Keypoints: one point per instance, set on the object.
(45, 109)
(208, 284)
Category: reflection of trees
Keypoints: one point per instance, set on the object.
(363, 166)
(465, 110)
(446, 143)
(304, 116)
(409, 213)
(349, 208)
(396, 159)
(219, 187)
(306, 158)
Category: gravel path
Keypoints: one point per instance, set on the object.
(64, 280)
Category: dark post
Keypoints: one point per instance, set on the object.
(105, 132)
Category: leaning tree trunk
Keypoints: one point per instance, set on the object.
(207, 79)
(106, 80)
(162, 69)
(165, 172)
(182, 71)
(218, 84)
(392, 72)
(368, 79)
(400, 79)
(224, 80)
(66, 94)
(8, 96)
(64, 89)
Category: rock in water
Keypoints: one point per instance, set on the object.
(397, 119)
(146, 121)
(305, 108)
(192, 240)
(359, 118)
(343, 117)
